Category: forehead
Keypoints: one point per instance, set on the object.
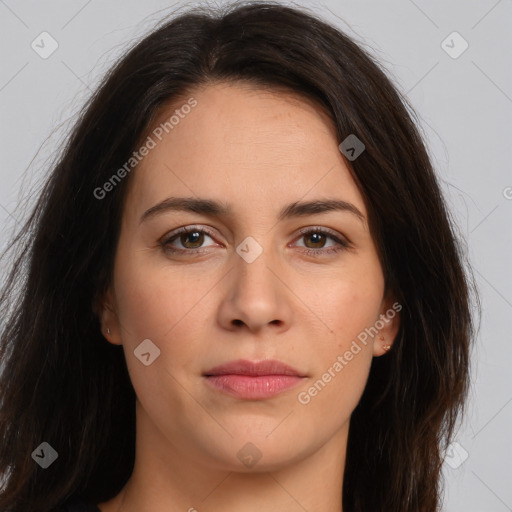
(251, 146)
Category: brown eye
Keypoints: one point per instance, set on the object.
(191, 240)
(315, 240)
(318, 239)
(195, 238)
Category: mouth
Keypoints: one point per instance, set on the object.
(253, 380)
(254, 368)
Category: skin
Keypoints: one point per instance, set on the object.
(258, 151)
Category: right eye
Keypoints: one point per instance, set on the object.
(187, 236)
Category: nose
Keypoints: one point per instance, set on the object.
(256, 295)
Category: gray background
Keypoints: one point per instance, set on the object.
(465, 106)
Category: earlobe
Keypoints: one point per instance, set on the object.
(109, 321)
(382, 346)
(388, 325)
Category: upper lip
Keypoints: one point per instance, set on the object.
(246, 367)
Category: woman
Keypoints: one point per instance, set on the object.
(243, 288)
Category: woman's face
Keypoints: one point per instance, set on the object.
(250, 286)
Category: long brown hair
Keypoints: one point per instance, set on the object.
(63, 384)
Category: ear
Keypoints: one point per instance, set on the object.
(105, 308)
(388, 324)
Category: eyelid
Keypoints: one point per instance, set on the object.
(186, 229)
(343, 243)
(327, 231)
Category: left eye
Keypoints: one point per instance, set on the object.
(319, 236)
(192, 238)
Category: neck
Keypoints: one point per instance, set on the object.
(166, 479)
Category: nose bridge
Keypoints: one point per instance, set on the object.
(253, 262)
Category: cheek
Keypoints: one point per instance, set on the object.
(145, 305)
(342, 358)
(169, 308)
(344, 349)
(332, 395)
(344, 305)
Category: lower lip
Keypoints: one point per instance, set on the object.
(253, 387)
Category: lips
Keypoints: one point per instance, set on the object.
(253, 380)
(254, 368)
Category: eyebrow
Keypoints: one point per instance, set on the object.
(219, 209)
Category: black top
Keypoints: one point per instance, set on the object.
(77, 505)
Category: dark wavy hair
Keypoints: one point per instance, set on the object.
(63, 384)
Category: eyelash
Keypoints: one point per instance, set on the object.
(342, 245)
